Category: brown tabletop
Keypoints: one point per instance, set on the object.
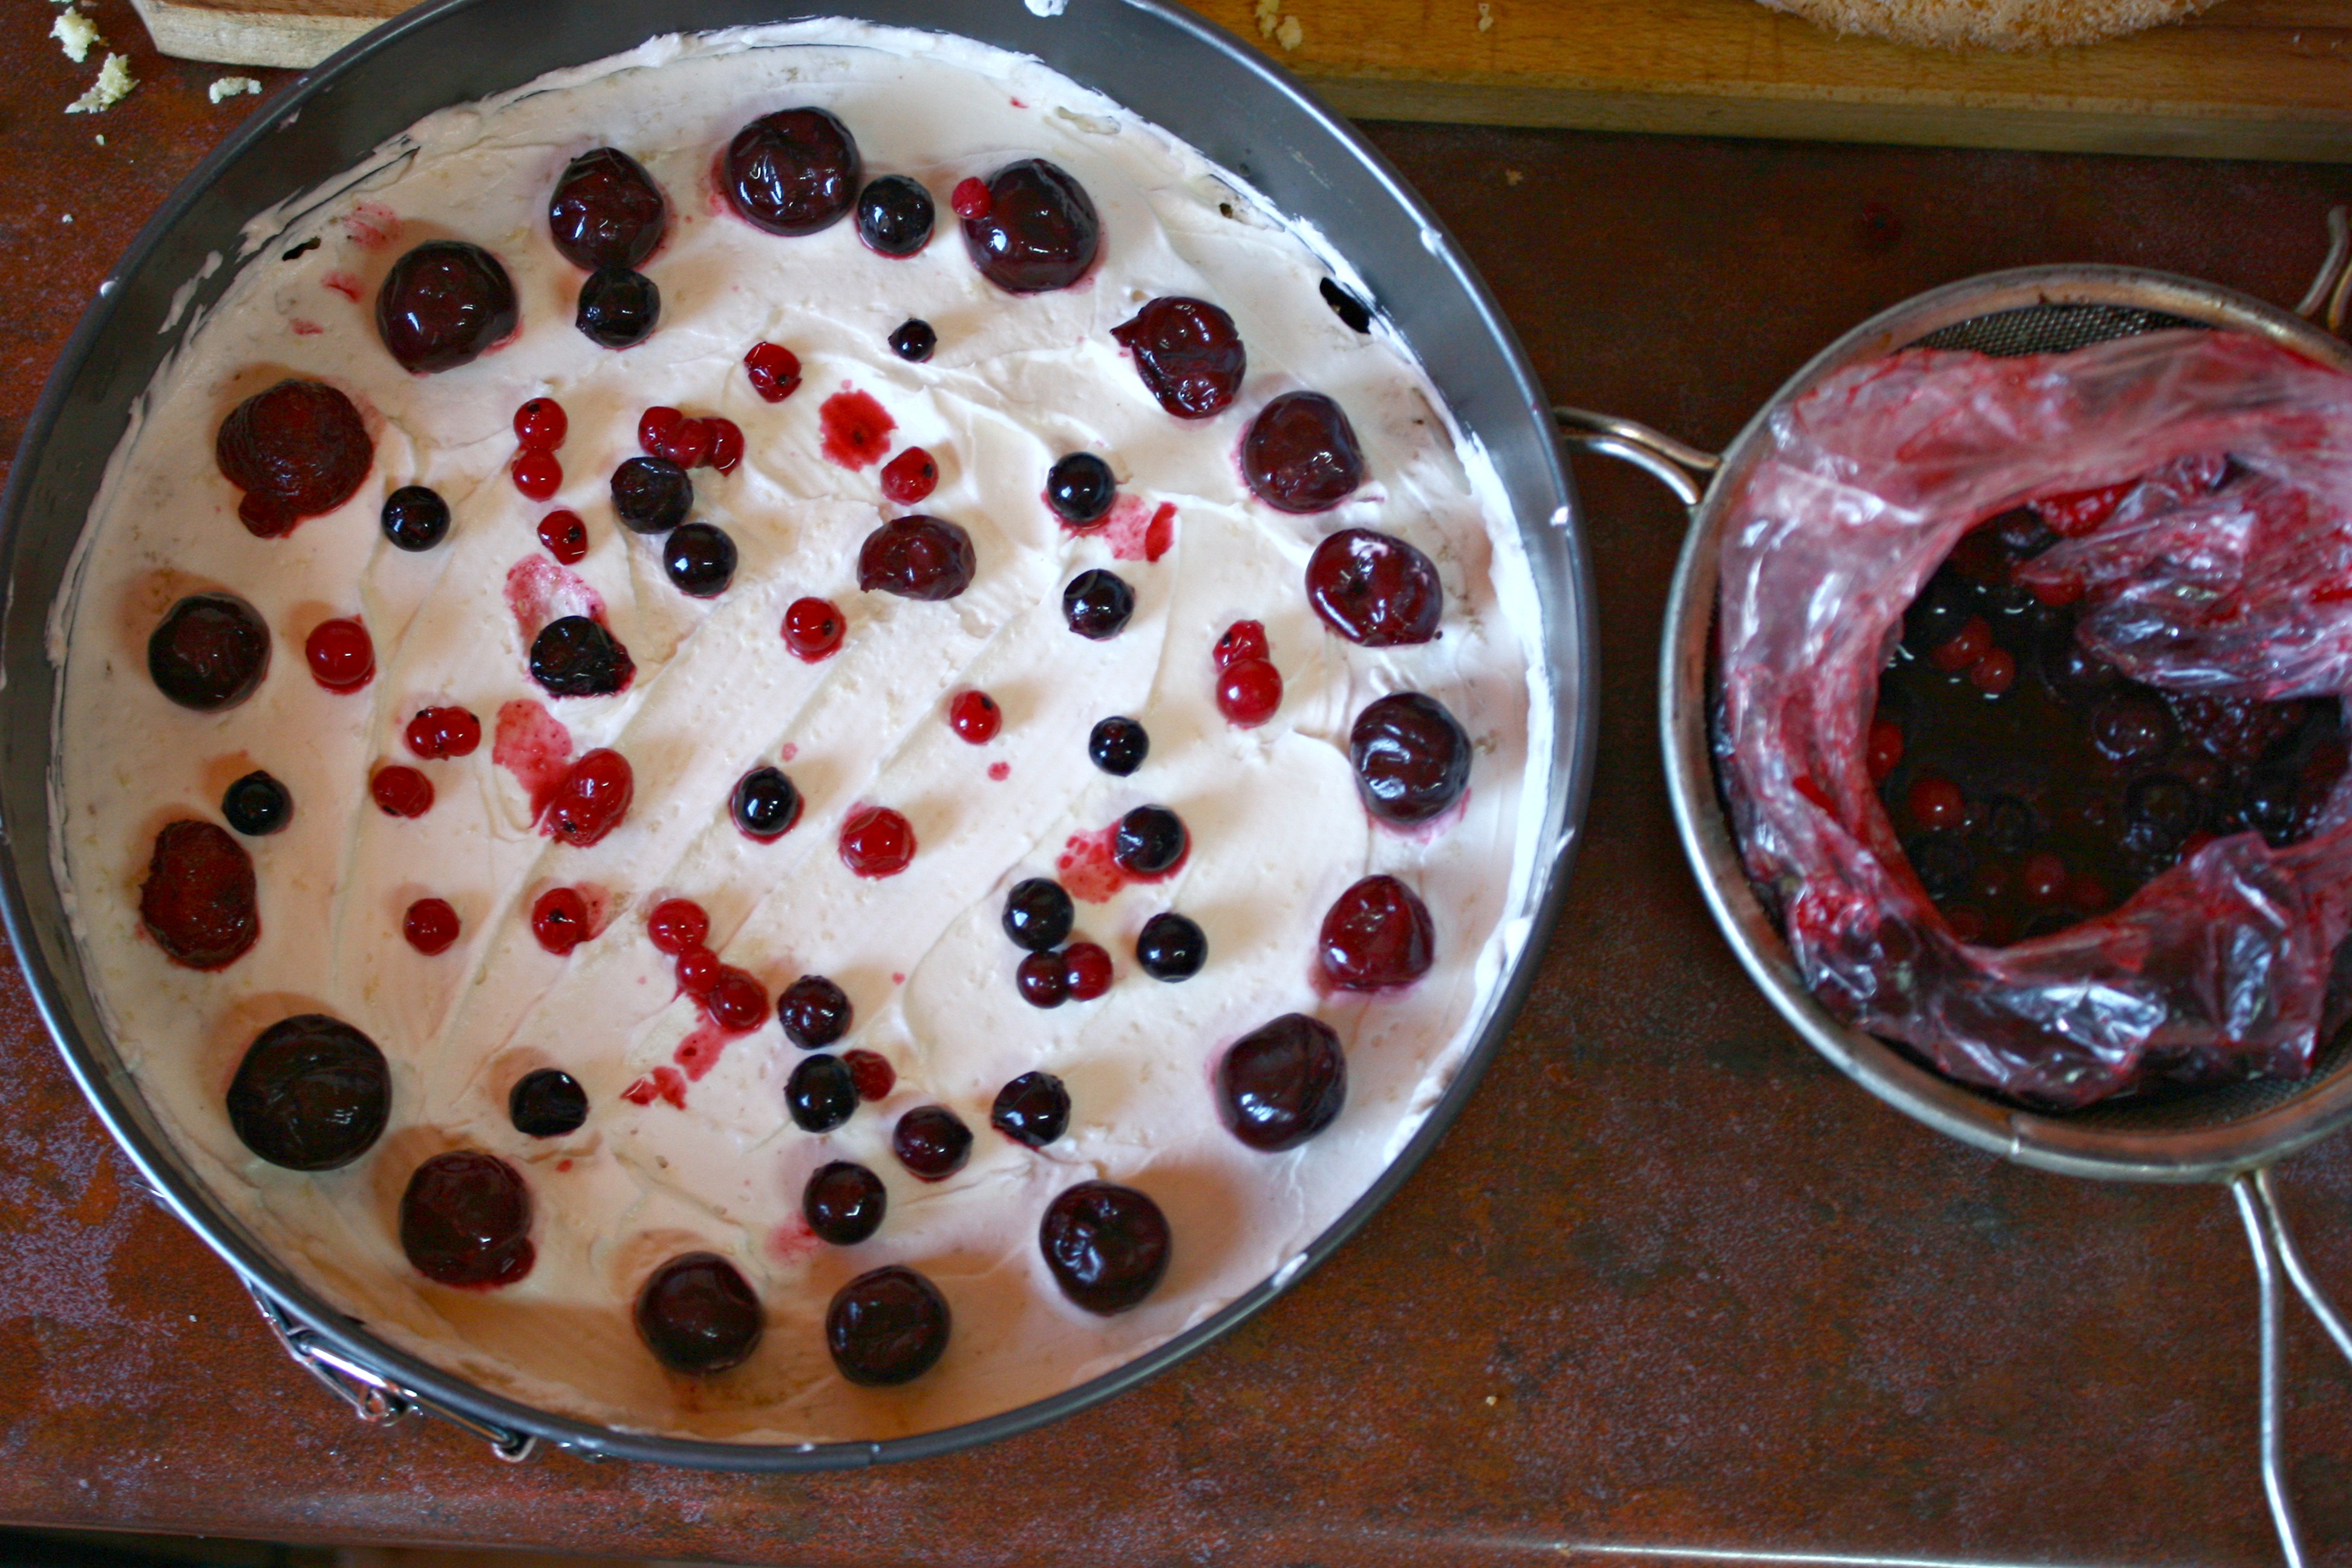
(1669, 1283)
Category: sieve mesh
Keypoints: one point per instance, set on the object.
(2049, 328)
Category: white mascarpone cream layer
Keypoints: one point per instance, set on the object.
(1277, 829)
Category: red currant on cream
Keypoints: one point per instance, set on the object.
(341, 656)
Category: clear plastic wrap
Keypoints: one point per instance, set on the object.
(2220, 966)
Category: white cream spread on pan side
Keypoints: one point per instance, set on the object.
(1276, 826)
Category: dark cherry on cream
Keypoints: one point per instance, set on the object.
(813, 630)
(698, 1315)
(1189, 353)
(1411, 758)
(297, 450)
(698, 559)
(1038, 231)
(651, 495)
(814, 1012)
(886, 1328)
(1042, 978)
(736, 1001)
(443, 304)
(871, 1072)
(618, 309)
(591, 800)
(877, 842)
(1149, 840)
(820, 1094)
(1377, 934)
(443, 732)
(1374, 589)
(258, 804)
(1106, 1246)
(917, 557)
(894, 215)
(341, 654)
(208, 652)
(312, 1093)
(844, 1203)
(931, 1141)
(198, 899)
(1038, 914)
(1085, 970)
(1171, 947)
(1098, 603)
(1034, 1109)
(431, 926)
(606, 211)
(765, 804)
(560, 920)
(791, 173)
(465, 1220)
(1080, 488)
(1283, 1083)
(400, 790)
(415, 518)
(576, 657)
(914, 339)
(547, 1102)
(1300, 454)
(1118, 745)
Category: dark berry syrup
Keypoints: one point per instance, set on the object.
(2034, 786)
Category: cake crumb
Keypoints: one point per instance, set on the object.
(113, 85)
(76, 33)
(1269, 14)
(230, 86)
(1485, 15)
(1290, 35)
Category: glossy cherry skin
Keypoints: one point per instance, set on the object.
(415, 518)
(698, 1315)
(886, 1328)
(1377, 934)
(1080, 488)
(564, 536)
(814, 1012)
(618, 309)
(465, 1220)
(1241, 642)
(792, 172)
(765, 804)
(844, 1203)
(1032, 1110)
(774, 369)
(1283, 1083)
(1097, 605)
(606, 211)
(1106, 1246)
(813, 630)
(820, 1094)
(1412, 759)
(914, 341)
(1189, 353)
(576, 657)
(1038, 914)
(699, 970)
(1248, 692)
(542, 423)
(1151, 839)
(726, 443)
(312, 1093)
(1171, 947)
(1374, 589)
(1042, 978)
(536, 472)
(909, 477)
(559, 919)
(917, 557)
(401, 791)
(443, 732)
(443, 304)
(547, 1103)
(591, 800)
(1085, 970)
(894, 215)
(1118, 745)
(651, 495)
(431, 926)
(871, 1072)
(736, 1001)
(1300, 454)
(677, 924)
(208, 652)
(296, 450)
(877, 842)
(1040, 230)
(931, 1141)
(698, 559)
(341, 654)
(258, 804)
(198, 902)
(975, 717)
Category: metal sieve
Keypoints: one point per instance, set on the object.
(2230, 1134)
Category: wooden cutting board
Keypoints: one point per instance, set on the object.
(2249, 79)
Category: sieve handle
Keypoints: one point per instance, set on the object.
(375, 1398)
(1685, 471)
(2329, 290)
(2276, 1253)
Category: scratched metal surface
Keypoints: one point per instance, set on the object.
(1669, 1284)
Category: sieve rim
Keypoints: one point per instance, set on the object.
(2062, 1143)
